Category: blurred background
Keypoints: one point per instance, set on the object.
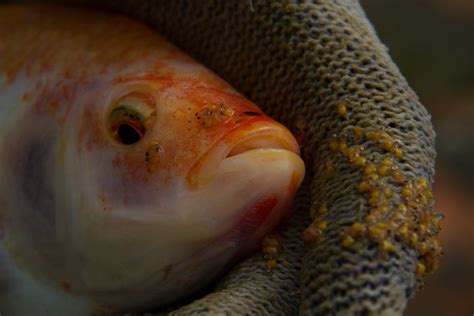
(432, 41)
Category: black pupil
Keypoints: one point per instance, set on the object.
(128, 135)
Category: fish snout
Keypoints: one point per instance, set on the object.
(267, 140)
(252, 174)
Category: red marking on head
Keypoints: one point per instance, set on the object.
(54, 97)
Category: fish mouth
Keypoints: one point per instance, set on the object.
(259, 138)
(255, 169)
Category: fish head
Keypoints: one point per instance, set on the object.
(184, 173)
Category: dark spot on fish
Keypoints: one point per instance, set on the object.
(152, 157)
(35, 172)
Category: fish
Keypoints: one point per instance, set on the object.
(131, 176)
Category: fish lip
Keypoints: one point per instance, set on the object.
(227, 146)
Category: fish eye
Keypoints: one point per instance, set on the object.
(126, 125)
(130, 118)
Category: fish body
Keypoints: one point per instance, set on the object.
(130, 175)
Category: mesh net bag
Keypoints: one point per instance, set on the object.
(362, 235)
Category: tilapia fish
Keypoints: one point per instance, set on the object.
(130, 175)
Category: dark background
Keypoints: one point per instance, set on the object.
(432, 41)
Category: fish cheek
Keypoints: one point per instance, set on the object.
(32, 169)
(31, 213)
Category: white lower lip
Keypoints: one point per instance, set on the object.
(238, 182)
(269, 142)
